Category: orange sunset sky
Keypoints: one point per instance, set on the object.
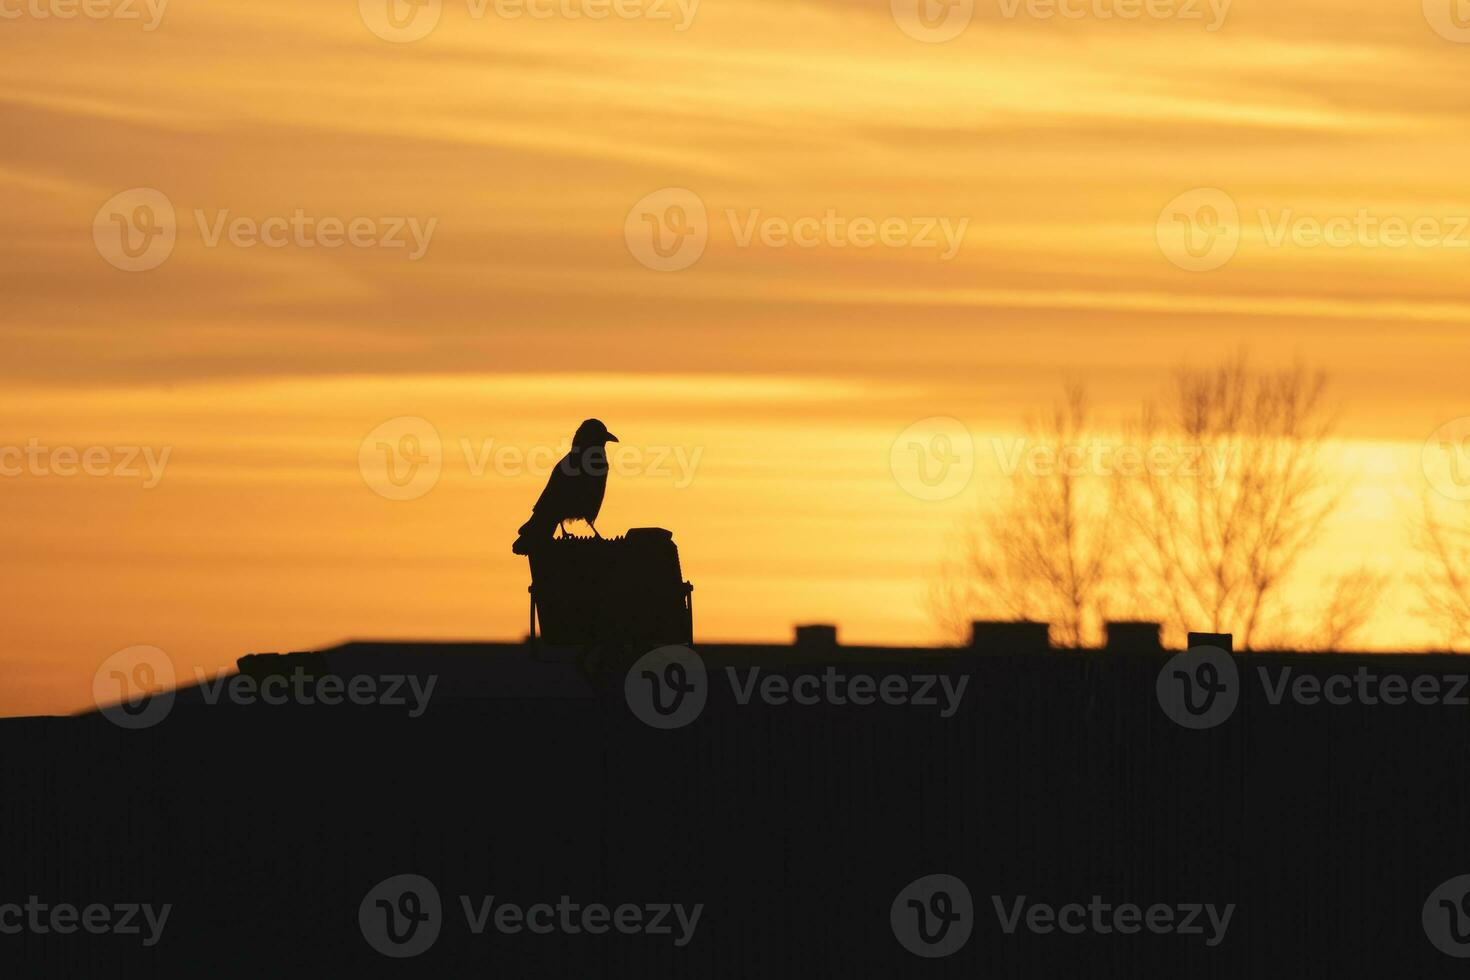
(782, 372)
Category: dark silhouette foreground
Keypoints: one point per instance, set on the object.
(797, 825)
(626, 590)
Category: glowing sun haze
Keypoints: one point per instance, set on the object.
(781, 373)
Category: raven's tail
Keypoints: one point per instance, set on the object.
(539, 528)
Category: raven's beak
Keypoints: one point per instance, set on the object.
(611, 437)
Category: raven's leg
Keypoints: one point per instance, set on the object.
(562, 526)
(594, 530)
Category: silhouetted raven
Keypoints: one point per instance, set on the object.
(575, 489)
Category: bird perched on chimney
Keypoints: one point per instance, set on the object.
(574, 491)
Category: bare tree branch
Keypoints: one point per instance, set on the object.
(1046, 550)
(1445, 588)
(1220, 543)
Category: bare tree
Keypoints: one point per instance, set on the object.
(1219, 542)
(1200, 518)
(1346, 604)
(1352, 600)
(952, 600)
(1043, 551)
(1445, 546)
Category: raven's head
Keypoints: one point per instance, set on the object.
(592, 433)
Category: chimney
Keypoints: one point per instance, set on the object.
(816, 636)
(1133, 637)
(1221, 641)
(1008, 636)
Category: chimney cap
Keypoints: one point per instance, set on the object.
(1009, 635)
(1133, 634)
(1221, 641)
(816, 635)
